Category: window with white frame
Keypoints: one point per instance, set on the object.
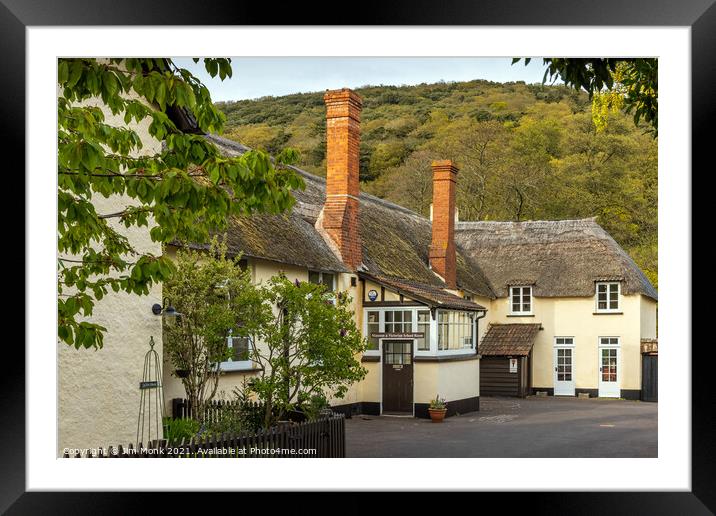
(608, 296)
(455, 330)
(323, 278)
(240, 357)
(373, 326)
(398, 321)
(423, 342)
(521, 300)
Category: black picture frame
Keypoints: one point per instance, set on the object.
(700, 15)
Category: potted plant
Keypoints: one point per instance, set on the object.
(437, 409)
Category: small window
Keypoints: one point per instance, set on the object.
(373, 326)
(322, 278)
(240, 357)
(521, 300)
(424, 327)
(608, 297)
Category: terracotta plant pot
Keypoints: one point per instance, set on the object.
(437, 415)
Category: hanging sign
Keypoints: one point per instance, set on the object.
(415, 335)
(148, 385)
(513, 365)
(372, 295)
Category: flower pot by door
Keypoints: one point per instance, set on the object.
(437, 415)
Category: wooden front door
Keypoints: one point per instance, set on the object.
(398, 376)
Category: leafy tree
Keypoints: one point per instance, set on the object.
(306, 347)
(183, 191)
(634, 83)
(215, 299)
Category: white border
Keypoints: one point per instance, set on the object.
(670, 471)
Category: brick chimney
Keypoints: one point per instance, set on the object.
(442, 248)
(340, 212)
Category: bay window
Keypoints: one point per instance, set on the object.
(399, 321)
(423, 342)
(455, 330)
(373, 326)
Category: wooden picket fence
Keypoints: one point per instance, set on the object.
(322, 438)
(181, 409)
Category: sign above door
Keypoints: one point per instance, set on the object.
(415, 335)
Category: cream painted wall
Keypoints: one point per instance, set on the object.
(455, 380)
(648, 318)
(574, 317)
(98, 391)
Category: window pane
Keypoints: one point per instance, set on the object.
(527, 307)
(515, 307)
(614, 288)
(408, 316)
(328, 280)
(314, 277)
(602, 305)
(397, 316)
(423, 316)
(602, 288)
(373, 317)
(388, 316)
(526, 291)
(240, 346)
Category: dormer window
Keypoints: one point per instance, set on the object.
(521, 300)
(608, 294)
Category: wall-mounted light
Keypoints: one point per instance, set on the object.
(167, 311)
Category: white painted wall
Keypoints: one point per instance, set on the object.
(98, 391)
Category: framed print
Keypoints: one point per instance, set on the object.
(426, 237)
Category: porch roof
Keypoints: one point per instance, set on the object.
(431, 295)
(509, 339)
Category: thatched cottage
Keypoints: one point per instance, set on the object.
(451, 308)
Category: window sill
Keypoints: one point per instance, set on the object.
(608, 313)
(230, 367)
(520, 315)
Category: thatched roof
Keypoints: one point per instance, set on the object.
(509, 339)
(560, 258)
(395, 240)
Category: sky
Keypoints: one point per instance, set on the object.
(255, 77)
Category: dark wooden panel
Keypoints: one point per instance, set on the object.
(496, 379)
(649, 378)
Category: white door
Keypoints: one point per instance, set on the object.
(564, 366)
(609, 368)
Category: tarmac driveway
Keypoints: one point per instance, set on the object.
(513, 427)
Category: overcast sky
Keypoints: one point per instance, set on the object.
(256, 77)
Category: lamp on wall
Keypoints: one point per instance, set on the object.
(167, 311)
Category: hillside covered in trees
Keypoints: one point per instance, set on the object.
(525, 152)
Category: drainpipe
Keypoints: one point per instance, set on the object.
(477, 330)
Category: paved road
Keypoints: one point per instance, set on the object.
(512, 427)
